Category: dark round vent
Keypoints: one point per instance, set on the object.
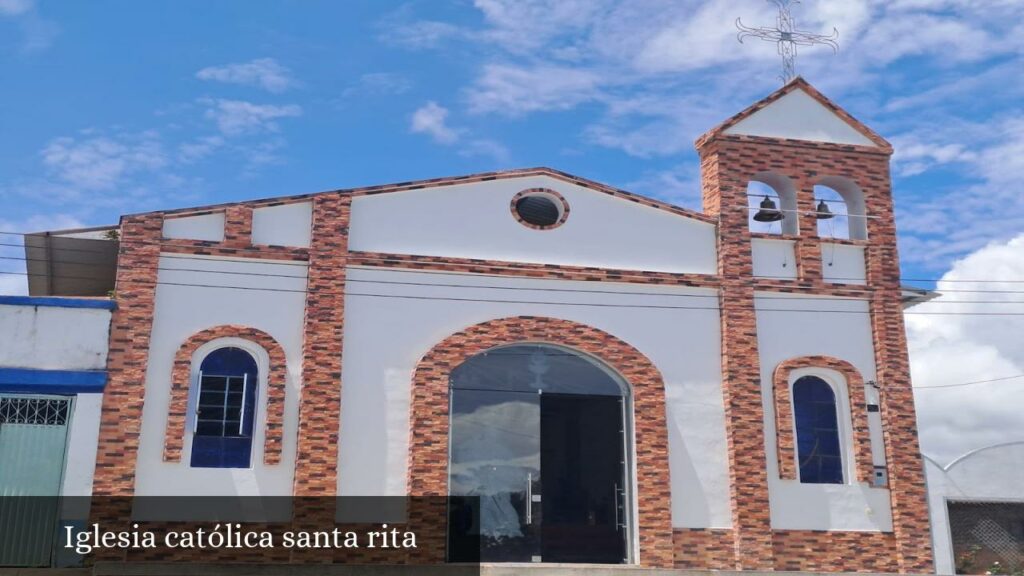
(538, 210)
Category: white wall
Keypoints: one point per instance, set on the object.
(842, 263)
(83, 437)
(180, 312)
(386, 337)
(475, 221)
(991, 474)
(283, 225)
(798, 116)
(844, 332)
(205, 227)
(773, 258)
(51, 338)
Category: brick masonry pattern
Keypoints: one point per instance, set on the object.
(785, 435)
(316, 461)
(428, 450)
(728, 163)
(181, 380)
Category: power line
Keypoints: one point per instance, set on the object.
(286, 251)
(504, 288)
(959, 384)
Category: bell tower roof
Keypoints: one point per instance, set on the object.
(797, 111)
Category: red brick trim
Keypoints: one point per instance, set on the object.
(540, 192)
(785, 435)
(127, 358)
(448, 181)
(206, 248)
(835, 551)
(428, 446)
(238, 226)
(704, 548)
(316, 459)
(528, 270)
(181, 381)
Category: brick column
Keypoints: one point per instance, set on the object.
(238, 226)
(316, 461)
(808, 246)
(128, 351)
(725, 195)
(130, 327)
(903, 453)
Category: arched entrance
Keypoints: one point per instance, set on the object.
(539, 435)
(648, 486)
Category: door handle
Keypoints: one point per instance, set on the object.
(529, 498)
(615, 504)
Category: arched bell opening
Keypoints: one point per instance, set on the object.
(840, 209)
(771, 203)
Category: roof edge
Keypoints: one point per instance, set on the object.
(448, 181)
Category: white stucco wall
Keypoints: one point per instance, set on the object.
(832, 327)
(773, 258)
(284, 225)
(475, 221)
(842, 263)
(52, 338)
(991, 474)
(798, 116)
(386, 337)
(83, 436)
(180, 312)
(204, 227)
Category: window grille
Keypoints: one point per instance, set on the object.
(988, 537)
(35, 411)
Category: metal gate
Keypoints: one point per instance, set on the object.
(33, 440)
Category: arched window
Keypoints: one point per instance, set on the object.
(225, 410)
(817, 432)
(845, 200)
(771, 200)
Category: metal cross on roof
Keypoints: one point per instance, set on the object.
(787, 37)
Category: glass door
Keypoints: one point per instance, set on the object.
(495, 457)
(537, 441)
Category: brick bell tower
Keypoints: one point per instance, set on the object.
(793, 140)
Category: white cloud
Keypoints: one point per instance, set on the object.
(199, 148)
(954, 349)
(431, 119)
(102, 162)
(515, 90)
(235, 117)
(15, 7)
(265, 73)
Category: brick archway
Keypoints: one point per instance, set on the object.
(786, 435)
(181, 380)
(428, 446)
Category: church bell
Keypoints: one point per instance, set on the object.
(769, 212)
(822, 212)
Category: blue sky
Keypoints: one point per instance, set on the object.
(117, 107)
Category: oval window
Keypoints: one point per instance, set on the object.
(538, 210)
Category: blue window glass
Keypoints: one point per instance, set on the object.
(225, 410)
(817, 432)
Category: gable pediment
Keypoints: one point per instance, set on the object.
(799, 116)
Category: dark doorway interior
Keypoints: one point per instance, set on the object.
(582, 502)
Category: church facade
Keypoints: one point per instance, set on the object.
(618, 379)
